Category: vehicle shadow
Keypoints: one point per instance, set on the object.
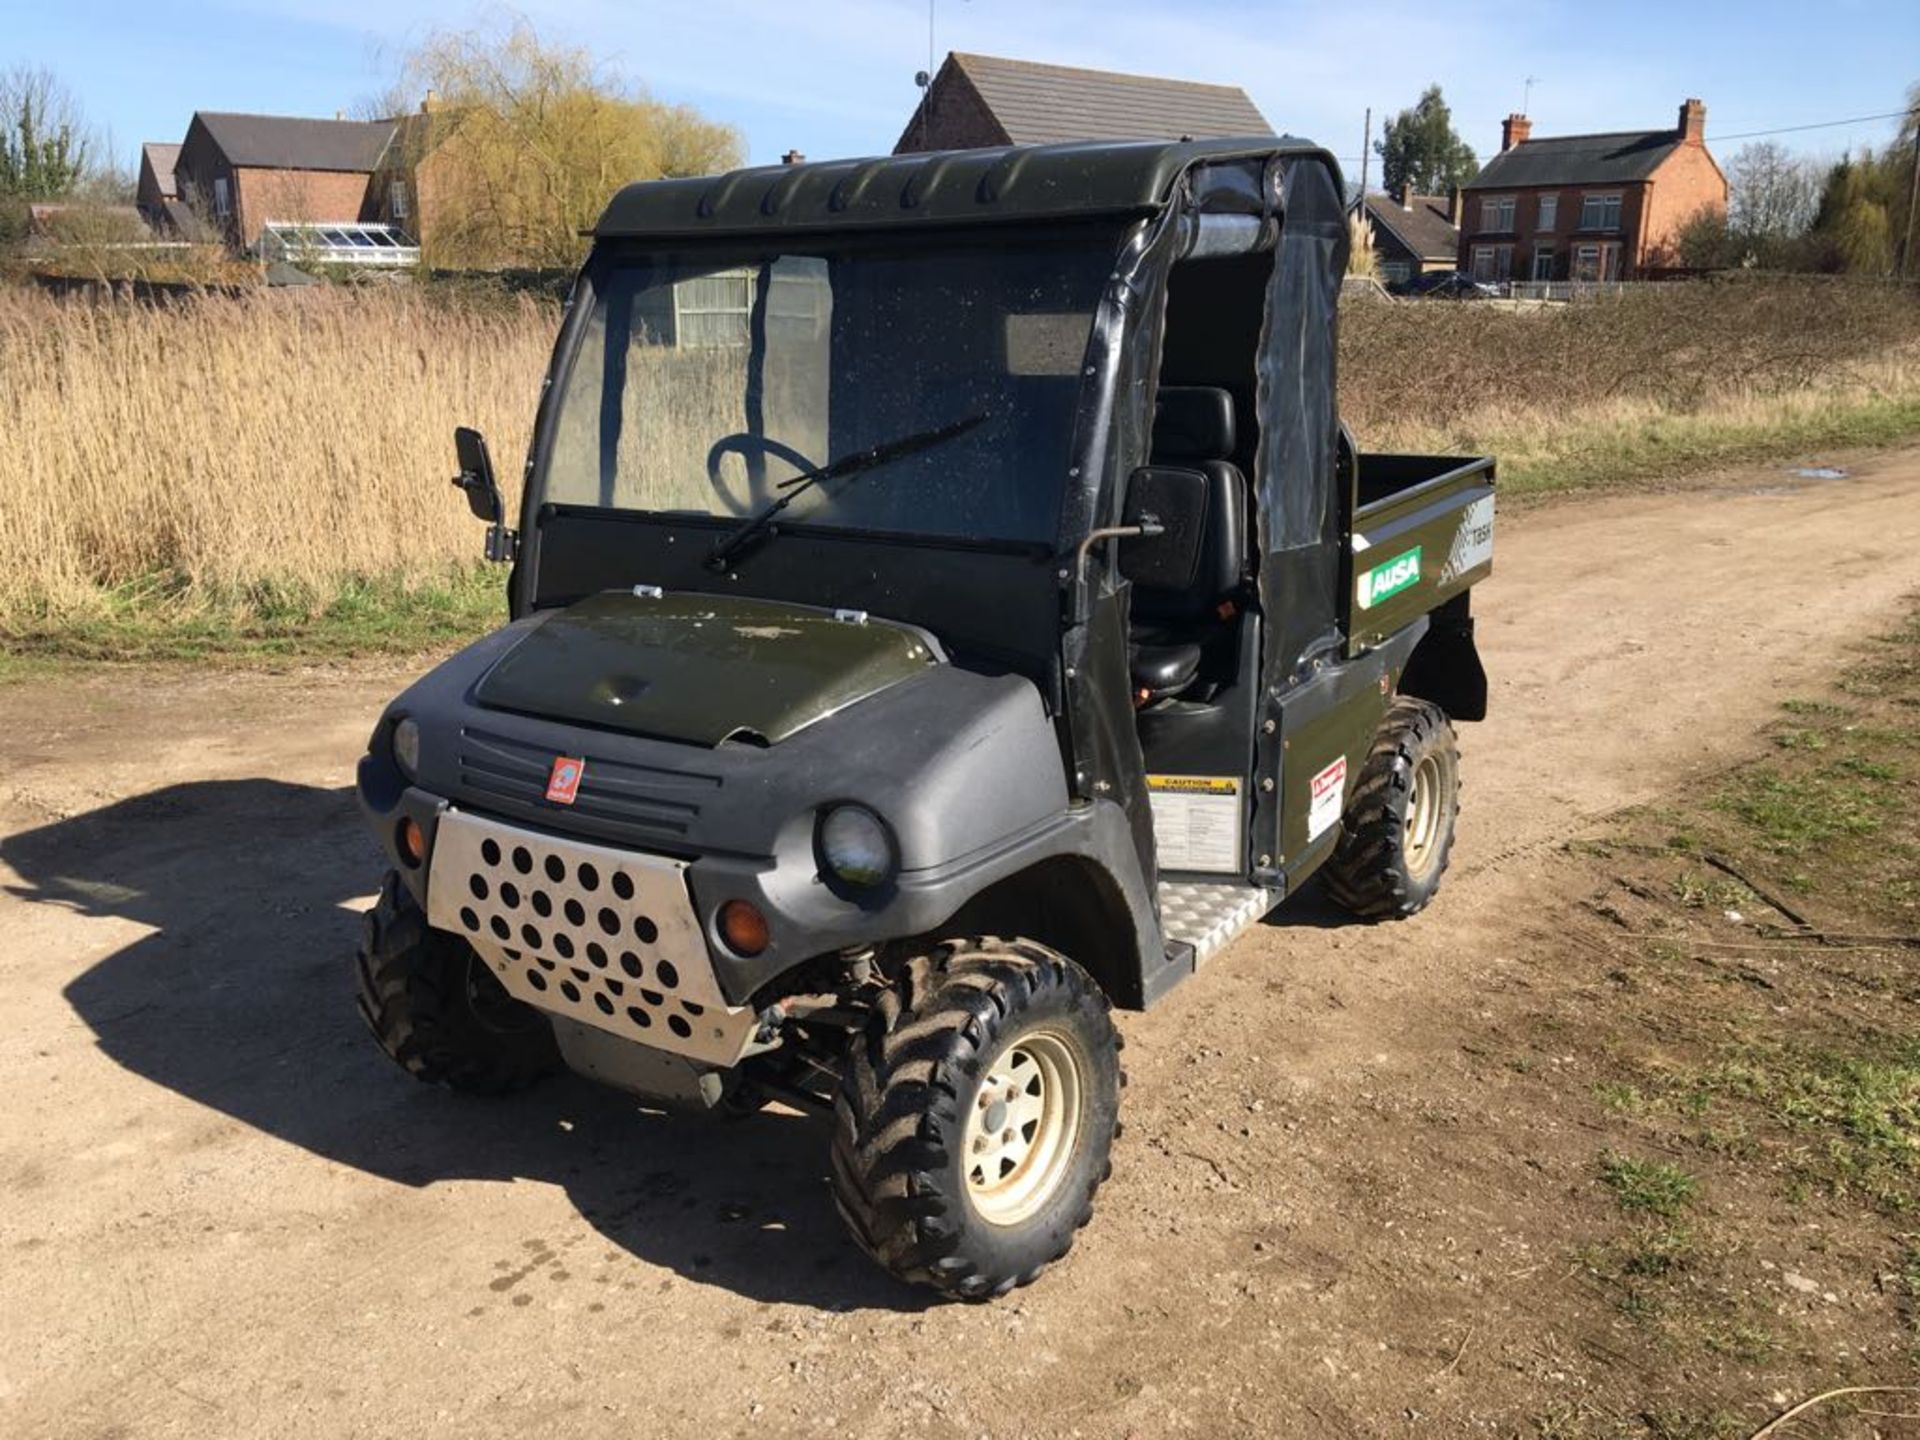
(241, 1000)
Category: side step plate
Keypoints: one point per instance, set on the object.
(1210, 915)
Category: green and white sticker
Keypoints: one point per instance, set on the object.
(1389, 578)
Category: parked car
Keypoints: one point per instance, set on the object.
(1448, 285)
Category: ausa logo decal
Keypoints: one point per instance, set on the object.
(1390, 578)
(563, 785)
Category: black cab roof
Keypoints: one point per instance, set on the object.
(942, 187)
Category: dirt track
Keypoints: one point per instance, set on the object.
(221, 1212)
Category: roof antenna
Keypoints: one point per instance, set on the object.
(925, 81)
(1526, 95)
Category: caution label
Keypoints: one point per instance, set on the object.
(1198, 823)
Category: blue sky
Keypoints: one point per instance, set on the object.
(835, 77)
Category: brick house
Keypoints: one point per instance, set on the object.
(1414, 234)
(243, 172)
(1588, 207)
(978, 101)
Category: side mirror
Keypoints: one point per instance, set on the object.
(476, 476)
(1168, 507)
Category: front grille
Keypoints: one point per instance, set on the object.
(607, 937)
(654, 799)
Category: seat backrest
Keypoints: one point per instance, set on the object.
(1193, 430)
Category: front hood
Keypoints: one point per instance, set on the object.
(700, 668)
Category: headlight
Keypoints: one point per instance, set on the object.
(856, 846)
(406, 747)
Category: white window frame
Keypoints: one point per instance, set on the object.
(1487, 266)
(1546, 253)
(1609, 206)
(222, 198)
(1496, 214)
(397, 199)
(1549, 213)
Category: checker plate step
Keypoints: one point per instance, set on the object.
(1208, 915)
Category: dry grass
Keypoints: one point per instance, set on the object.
(1646, 383)
(210, 461)
(204, 450)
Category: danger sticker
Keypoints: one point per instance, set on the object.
(1326, 799)
(563, 784)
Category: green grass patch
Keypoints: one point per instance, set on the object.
(1854, 1119)
(1654, 1187)
(1794, 812)
(163, 620)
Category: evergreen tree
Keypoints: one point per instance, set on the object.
(1419, 147)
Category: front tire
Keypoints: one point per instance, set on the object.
(976, 1116)
(438, 1011)
(1397, 833)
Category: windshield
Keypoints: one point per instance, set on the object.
(704, 379)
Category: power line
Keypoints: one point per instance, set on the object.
(1816, 125)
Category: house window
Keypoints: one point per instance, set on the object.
(1496, 214)
(1600, 212)
(1599, 261)
(1549, 212)
(1492, 263)
(222, 198)
(1543, 262)
(397, 199)
(1395, 272)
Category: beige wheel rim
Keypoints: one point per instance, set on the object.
(1022, 1127)
(1426, 809)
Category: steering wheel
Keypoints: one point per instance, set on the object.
(751, 447)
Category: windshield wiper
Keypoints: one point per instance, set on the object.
(856, 463)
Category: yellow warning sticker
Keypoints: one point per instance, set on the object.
(1197, 823)
(1194, 784)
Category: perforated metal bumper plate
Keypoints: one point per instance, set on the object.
(606, 937)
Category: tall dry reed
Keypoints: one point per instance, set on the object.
(213, 449)
(212, 445)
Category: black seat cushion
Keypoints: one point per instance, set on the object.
(1163, 668)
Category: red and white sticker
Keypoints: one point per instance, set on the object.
(1328, 799)
(563, 785)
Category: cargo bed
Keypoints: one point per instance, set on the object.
(1422, 533)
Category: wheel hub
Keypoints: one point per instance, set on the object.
(1425, 801)
(1022, 1127)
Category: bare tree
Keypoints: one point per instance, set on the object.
(45, 146)
(1772, 194)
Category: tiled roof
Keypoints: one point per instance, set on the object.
(1614, 159)
(1040, 104)
(288, 142)
(160, 158)
(1424, 226)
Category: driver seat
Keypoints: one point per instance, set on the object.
(1196, 482)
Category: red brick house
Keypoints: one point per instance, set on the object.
(1588, 207)
(979, 101)
(244, 172)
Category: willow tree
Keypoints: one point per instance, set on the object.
(521, 144)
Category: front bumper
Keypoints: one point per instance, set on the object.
(606, 937)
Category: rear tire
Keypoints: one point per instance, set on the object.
(438, 1011)
(976, 1116)
(1397, 833)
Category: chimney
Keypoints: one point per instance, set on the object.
(1693, 123)
(1514, 130)
(1406, 195)
(429, 102)
(793, 157)
(339, 114)
(1456, 205)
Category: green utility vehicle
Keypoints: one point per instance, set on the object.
(945, 605)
